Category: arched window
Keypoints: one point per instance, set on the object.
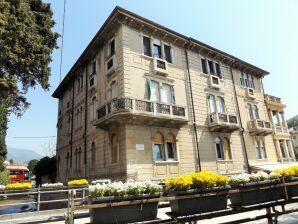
(226, 149)
(256, 112)
(93, 155)
(158, 147)
(218, 148)
(114, 149)
(171, 147)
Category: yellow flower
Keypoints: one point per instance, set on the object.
(18, 185)
(77, 182)
(201, 180)
(290, 171)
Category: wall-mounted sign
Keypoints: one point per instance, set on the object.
(140, 146)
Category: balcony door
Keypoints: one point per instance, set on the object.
(155, 94)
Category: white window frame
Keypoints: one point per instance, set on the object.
(160, 84)
(221, 149)
(253, 111)
(164, 150)
(216, 104)
(214, 67)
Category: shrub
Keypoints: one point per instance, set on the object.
(4, 177)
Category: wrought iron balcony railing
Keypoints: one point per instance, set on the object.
(140, 106)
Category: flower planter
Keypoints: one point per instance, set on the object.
(123, 214)
(292, 190)
(210, 200)
(253, 193)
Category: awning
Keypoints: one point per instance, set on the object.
(271, 167)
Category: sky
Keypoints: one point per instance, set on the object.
(263, 33)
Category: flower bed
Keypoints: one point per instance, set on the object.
(209, 191)
(18, 186)
(77, 182)
(119, 191)
(255, 188)
(52, 185)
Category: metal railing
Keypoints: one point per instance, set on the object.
(273, 98)
(37, 194)
(140, 106)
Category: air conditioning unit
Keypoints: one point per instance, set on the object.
(160, 66)
(250, 93)
(111, 65)
(214, 82)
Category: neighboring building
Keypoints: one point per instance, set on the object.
(294, 137)
(146, 102)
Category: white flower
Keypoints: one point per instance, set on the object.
(52, 185)
(101, 181)
(2, 187)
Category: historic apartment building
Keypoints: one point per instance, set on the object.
(145, 102)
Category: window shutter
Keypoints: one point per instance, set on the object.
(173, 95)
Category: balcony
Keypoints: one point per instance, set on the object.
(280, 129)
(274, 101)
(141, 112)
(259, 127)
(223, 122)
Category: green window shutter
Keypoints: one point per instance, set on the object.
(148, 85)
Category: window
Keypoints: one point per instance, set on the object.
(210, 66)
(256, 112)
(158, 147)
(204, 66)
(114, 149)
(168, 56)
(221, 108)
(260, 149)
(211, 101)
(250, 111)
(67, 161)
(166, 94)
(146, 46)
(93, 106)
(157, 50)
(155, 95)
(247, 80)
(114, 92)
(93, 155)
(80, 82)
(69, 125)
(110, 49)
(170, 147)
(218, 148)
(226, 149)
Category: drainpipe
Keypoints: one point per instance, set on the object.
(86, 117)
(72, 126)
(193, 110)
(240, 121)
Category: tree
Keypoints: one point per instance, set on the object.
(32, 164)
(293, 122)
(26, 44)
(11, 161)
(46, 167)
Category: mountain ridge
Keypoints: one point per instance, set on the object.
(22, 155)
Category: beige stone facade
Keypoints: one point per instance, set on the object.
(145, 102)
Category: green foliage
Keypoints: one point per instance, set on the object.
(293, 122)
(27, 41)
(46, 166)
(4, 177)
(32, 164)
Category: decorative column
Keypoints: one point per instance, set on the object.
(286, 149)
(278, 150)
(284, 123)
(291, 150)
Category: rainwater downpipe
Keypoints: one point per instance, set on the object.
(86, 120)
(193, 110)
(240, 121)
(72, 126)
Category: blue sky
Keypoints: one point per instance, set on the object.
(263, 33)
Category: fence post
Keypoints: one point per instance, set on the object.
(84, 195)
(70, 207)
(38, 199)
